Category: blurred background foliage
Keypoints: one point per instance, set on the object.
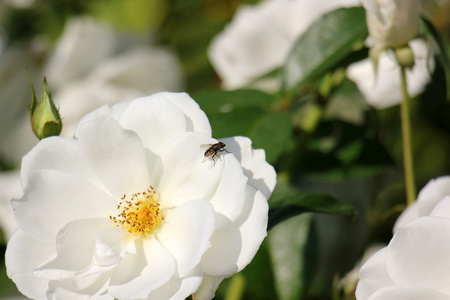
(334, 154)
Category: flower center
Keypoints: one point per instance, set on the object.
(141, 214)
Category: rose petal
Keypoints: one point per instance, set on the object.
(141, 273)
(418, 254)
(182, 174)
(9, 187)
(113, 111)
(23, 255)
(234, 247)
(373, 275)
(111, 245)
(261, 175)
(196, 119)
(407, 293)
(42, 214)
(207, 289)
(185, 233)
(148, 117)
(116, 155)
(409, 214)
(442, 209)
(178, 288)
(433, 192)
(91, 285)
(59, 154)
(229, 199)
(75, 248)
(262, 47)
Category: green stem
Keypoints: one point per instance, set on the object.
(407, 145)
(236, 288)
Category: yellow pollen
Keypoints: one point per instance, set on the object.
(141, 214)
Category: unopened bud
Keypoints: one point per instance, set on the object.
(45, 119)
(404, 56)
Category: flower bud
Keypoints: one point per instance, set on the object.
(45, 119)
(392, 23)
(404, 56)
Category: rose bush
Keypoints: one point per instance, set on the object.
(128, 210)
(259, 38)
(415, 264)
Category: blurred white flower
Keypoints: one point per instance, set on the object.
(128, 210)
(84, 44)
(19, 3)
(392, 23)
(85, 71)
(259, 38)
(383, 89)
(415, 264)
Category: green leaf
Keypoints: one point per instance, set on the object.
(226, 101)
(293, 249)
(273, 133)
(238, 112)
(287, 207)
(326, 42)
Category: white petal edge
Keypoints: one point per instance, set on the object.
(196, 118)
(156, 267)
(418, 254)
(23, 255)
(207, 289)
(186, 232)
(261, 174)
(178, 288)
(230, 196)
(411, 292)
(155, 120)
(75, 248)
(42, 214)
(234, 247)
(373, 275)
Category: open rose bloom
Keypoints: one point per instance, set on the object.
(128, 210)
(416, 263)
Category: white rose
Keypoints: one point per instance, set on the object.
(83, 74)
(392, 23)
(415, 264)
(128, 210)
(383, 89)
(259, 38)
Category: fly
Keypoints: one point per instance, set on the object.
(212, 151)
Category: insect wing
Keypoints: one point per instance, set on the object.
(206, 146)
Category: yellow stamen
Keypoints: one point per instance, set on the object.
(141, 214)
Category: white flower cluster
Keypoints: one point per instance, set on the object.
(128, 210)
(259, 38)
